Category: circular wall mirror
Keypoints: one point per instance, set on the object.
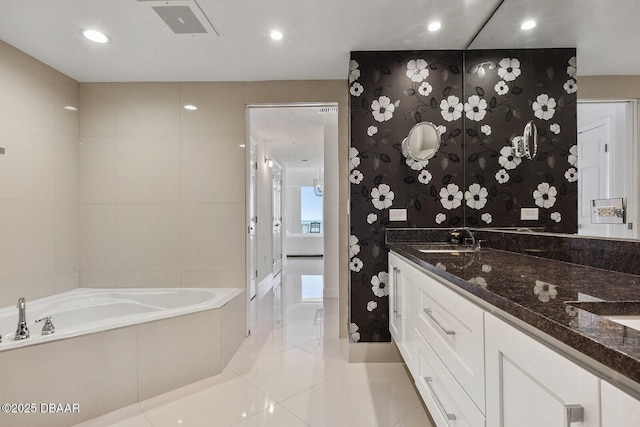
(422, 143)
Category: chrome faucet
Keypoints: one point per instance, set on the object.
(22, 332)
(462, 236)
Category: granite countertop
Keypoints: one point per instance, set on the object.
(540, 292)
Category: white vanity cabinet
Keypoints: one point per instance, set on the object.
(403, 279)
(530, 385)
(618, 408)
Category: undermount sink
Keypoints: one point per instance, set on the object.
(444, 247)
(631, 321)
(626, 313)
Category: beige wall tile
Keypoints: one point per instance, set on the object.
(220, 108)
(97, 169)
(213, 169)
(147, 109)
(97, 109)
(148, 169)
(98, 241)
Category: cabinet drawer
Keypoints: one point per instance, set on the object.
(447, 402)
(454, 328)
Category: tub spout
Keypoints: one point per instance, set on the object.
(22, 332)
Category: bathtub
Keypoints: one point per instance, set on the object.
(114, 347)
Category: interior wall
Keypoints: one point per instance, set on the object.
(38, 179)
(479, 100)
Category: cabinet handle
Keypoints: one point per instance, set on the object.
(450, 417)
(575, 414)
(396, 284)
(434, 320)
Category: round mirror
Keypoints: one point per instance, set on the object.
(422, 143)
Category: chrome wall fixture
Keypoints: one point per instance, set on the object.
(521, 145)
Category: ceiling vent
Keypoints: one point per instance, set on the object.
(328, 110)
(182, 16)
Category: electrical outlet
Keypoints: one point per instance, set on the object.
(529, 214)
(397, 214)
(606, 211)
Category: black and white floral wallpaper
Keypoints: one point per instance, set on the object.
(479, 100)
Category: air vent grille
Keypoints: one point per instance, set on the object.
(328, 110)
(182, 16)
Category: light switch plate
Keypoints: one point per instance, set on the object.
(397, 214)
(529, 214)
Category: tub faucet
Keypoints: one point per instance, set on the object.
(22, 332)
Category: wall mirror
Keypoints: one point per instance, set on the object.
(422, 143)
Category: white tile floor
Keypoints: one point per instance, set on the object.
(295, 375)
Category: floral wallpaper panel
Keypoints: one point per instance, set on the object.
(479, 100)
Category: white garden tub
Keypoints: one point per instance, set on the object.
(114, 347)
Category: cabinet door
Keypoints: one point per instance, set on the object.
(530, 385)
(402, 303)
(618, 408)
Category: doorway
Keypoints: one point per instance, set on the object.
(284, 143)
(607, 164)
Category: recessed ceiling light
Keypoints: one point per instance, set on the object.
(434, 26)
(190, 107)
(96, 36)
(276, 35)
(527, 25)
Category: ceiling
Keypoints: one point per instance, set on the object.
(318, 36)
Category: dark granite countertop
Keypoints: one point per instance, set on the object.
(539, 292)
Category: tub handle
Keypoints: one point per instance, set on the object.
(47, 328)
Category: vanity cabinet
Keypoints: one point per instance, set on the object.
(530, 385)
(403, 279)
(618, 408)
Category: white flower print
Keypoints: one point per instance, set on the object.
(476, 196)
(509, 69)
(424, 177)
(354, 335)
(475, 108)
(356, 89)
(486, 268)
(507, 160)
(417, 165)
(545, 195)
(573, 156)
(451, 108)
(486, 129)
(356, 264)
(417, 70)
(571, 69)
(450, 196)
(382, 109)
(354, 160)
(372, 130)
(354, 247)
(545, 291)
(371, 218)
(372, 305)
(571, 174)
(382, 197)
(502, 176)
(356, 176)
(479, 281)
(486, 217)
(440, 218)
(571, 86)
(555, 128)
(442, 129)
(544, 107)
(501, 88)
(556, 216)
(425, 89)
(354, 72)
(379, 284)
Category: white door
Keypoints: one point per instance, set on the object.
(277, 219)
(252, 248)
(593, 173)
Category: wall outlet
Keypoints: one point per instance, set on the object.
(529, 214)
(606, 211)
(397, 214)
